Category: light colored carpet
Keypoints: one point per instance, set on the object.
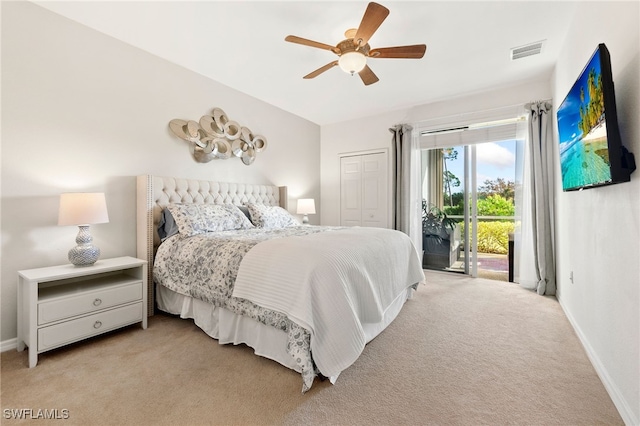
(463, 351)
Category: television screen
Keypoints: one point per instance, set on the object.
(591, 153)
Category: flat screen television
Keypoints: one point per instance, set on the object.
(591, 152)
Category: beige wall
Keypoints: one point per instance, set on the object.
(598, 230)
(84, 112)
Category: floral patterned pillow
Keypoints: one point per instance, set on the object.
(193, 219)
(264, 216)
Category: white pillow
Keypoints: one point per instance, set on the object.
(193, 219)
(264, 216)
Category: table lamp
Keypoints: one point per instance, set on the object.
(83, 209)
(306, 206)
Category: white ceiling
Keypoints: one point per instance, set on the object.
(241, 44)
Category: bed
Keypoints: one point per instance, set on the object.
(308, 297)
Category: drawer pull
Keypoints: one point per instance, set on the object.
(97, 324)
(97, 302)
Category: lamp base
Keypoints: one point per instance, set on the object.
(305, 220)
(84, 254)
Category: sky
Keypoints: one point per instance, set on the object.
(493, 160)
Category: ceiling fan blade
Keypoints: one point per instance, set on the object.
(304, 41)
(415, 51)
(373, 17)
(367, 76)
(321, 70)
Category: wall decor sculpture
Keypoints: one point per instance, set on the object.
(217, 137)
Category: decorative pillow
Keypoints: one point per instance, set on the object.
(264, 216)
(193, 219)
(245, 211)
(167, 226)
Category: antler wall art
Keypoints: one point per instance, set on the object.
(217, 137)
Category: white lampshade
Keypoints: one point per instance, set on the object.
(306, 206)
(82, 208)
(352, 62)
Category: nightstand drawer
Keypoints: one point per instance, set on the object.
(87, 302)
(91, 325)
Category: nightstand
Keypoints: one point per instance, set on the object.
(63, 304)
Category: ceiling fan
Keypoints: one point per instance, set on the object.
(354, 50)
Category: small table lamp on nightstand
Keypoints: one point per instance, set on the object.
(306, 206)
(83, 209)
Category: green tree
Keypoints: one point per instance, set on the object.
(495, 205)
(499, 186)
(449, 179)
(453, 201)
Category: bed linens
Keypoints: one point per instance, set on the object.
(270, 216)
(195, 219)
(331, 284)
(205, 266)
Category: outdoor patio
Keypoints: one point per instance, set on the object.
(490, 266)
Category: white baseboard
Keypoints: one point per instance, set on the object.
(618, 399)
(8, 345)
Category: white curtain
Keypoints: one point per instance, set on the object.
(523, 261)
(407, 185)
(536, 264)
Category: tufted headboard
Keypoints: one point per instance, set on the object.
(156, 192)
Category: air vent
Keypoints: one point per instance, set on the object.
(526, 50)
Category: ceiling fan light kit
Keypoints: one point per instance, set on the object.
(354, 50)
(352, 62)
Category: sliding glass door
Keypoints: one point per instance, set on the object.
(469, 208)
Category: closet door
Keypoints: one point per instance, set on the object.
(351, 191)
(364, 197)
(375, 203)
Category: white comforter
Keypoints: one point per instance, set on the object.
(331, 283)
